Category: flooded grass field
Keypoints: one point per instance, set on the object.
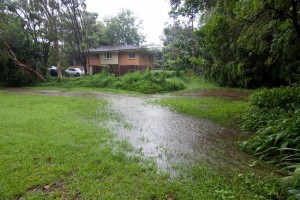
(176, 142)
(167, 137)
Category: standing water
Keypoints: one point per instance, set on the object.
(169, 138)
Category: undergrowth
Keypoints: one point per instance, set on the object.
(142, 82)
(274, 116)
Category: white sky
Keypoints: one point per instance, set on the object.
(153, 13)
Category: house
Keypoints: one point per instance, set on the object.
(120, 59)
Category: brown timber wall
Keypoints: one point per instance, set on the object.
(120, 70)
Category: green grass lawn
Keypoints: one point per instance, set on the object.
(199, 83)
(81, 89)
(225, 112)
(56, 148)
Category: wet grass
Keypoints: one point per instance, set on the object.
(56, 148)
(223, 111)
(82, 89)
(198, 83)
(194, 84)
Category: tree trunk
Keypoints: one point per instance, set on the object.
(57, 57)
(21, 65)
(52, 18)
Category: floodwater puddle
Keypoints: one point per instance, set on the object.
(169, 138)
(174, 139)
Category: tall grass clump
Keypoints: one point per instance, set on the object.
(143, 82)
(150, 82)
(274, 116)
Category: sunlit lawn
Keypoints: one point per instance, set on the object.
(57, 148)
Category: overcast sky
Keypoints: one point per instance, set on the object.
(153, 13)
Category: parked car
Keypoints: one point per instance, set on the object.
(53, 72)
(74, 72)
(51, 68)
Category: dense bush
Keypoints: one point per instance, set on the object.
(147, 82)
(269, 104)
(275, 117)
(284, 97)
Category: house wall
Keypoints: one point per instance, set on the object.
(113, 61)
(102, 61)
(125, 60)
(147, 60)
(120, 62)
(93, 61)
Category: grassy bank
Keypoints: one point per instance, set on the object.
(220, 110)
(53, 147)
(193, 83)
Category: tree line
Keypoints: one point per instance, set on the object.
(35, 34)
(248, 43)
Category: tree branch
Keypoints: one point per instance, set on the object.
(21, 65)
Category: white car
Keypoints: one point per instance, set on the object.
(52, 68)
(74, 72)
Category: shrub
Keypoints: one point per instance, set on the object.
(291, 184)
(284, 97)
(275, 116)
(101, 80)
(147, 82)
(256, 118)
(278, 139)
(130, 79)
(173, 84)
(270, 104)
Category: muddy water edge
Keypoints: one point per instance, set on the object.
(170, 139)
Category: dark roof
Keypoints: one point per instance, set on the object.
(116, 48)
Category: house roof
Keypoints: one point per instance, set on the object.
(117, 48)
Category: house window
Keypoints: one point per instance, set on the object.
(107, 55)
(132, 56)
(95, 55)
(143, 56)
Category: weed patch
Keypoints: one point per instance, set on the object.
(274, 116)
(147, 82)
